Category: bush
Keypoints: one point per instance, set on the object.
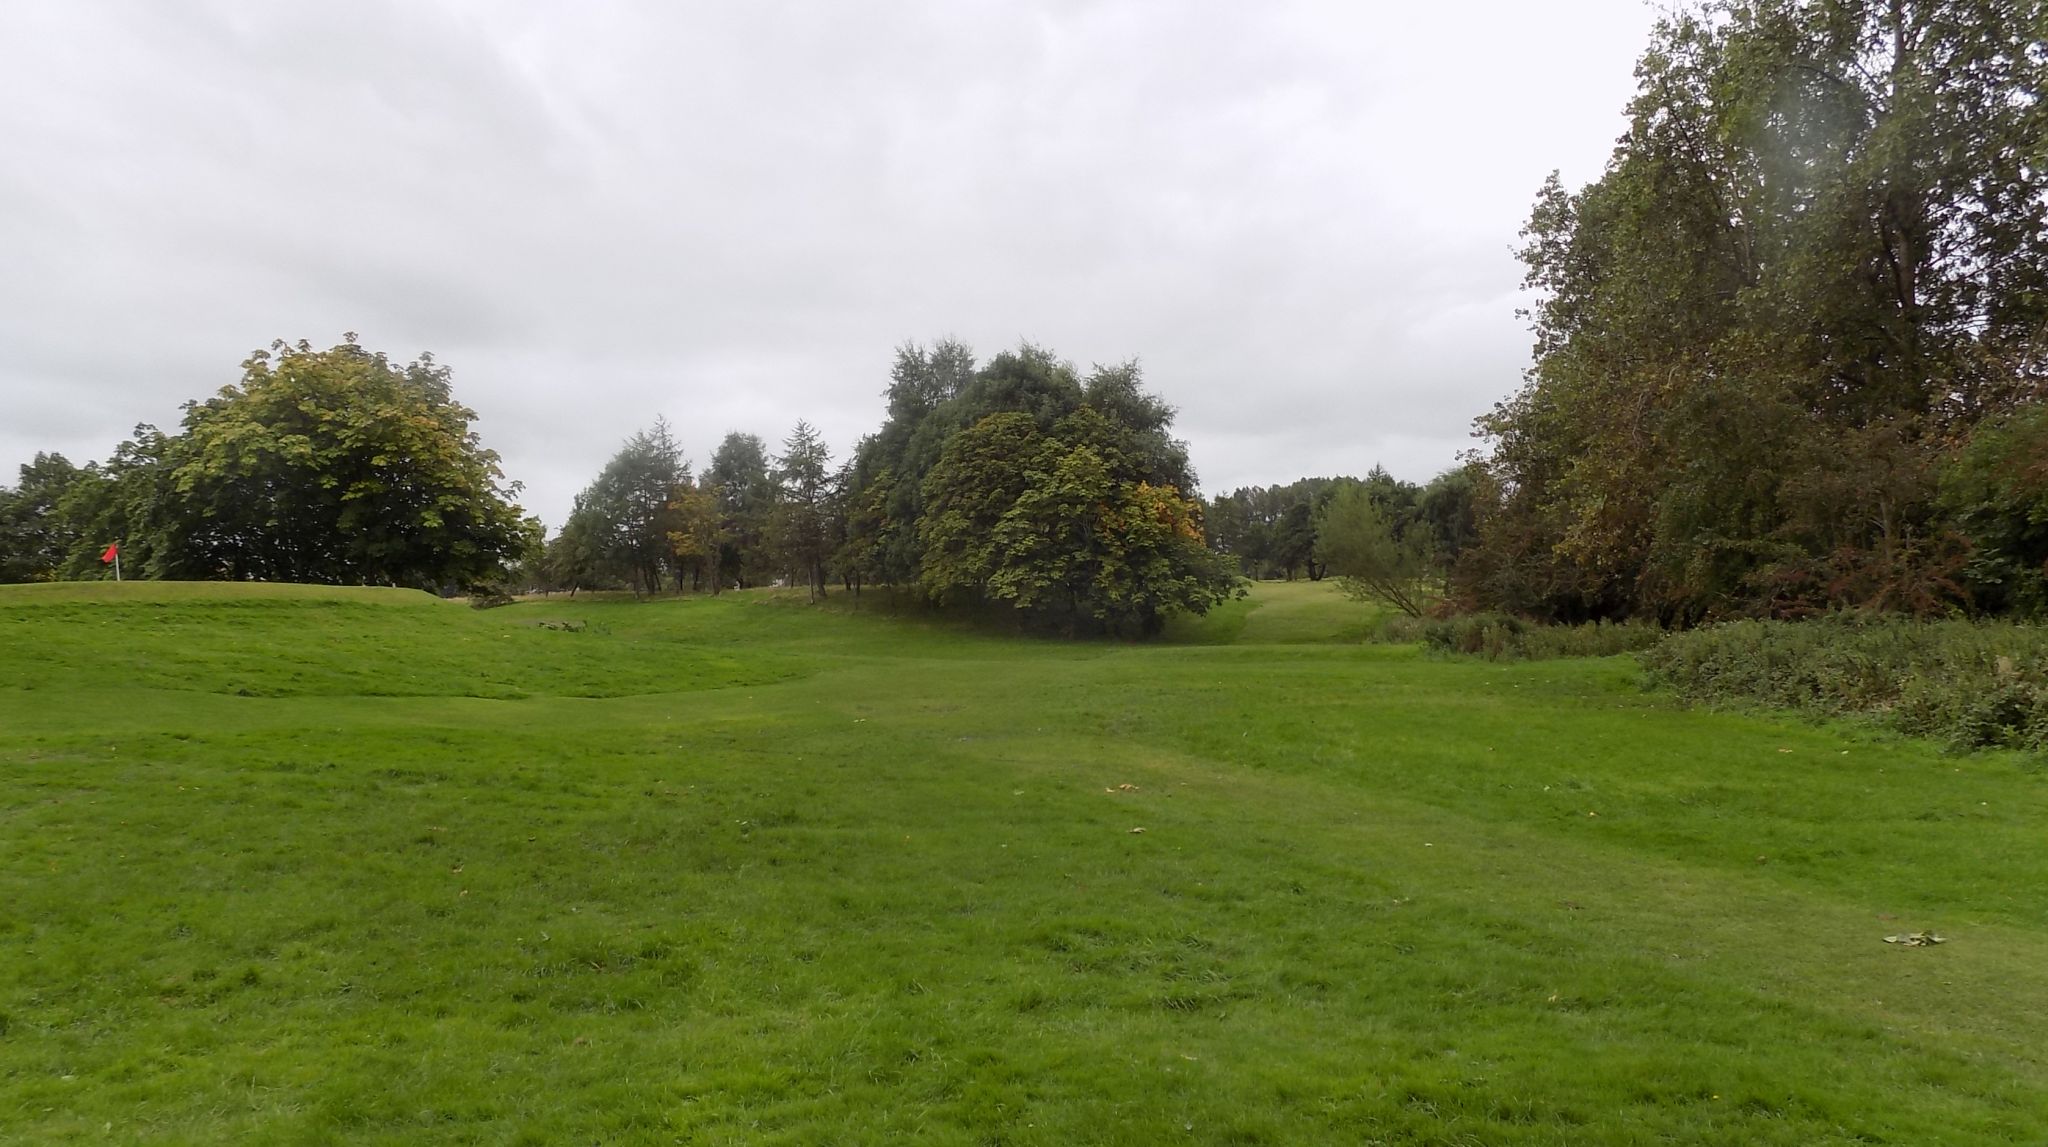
(1500, 637)
(1399, 629)
(1968, 684)
(489, 595)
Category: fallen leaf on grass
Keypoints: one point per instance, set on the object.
(1135, 831)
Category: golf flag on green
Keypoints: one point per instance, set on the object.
(113, 554)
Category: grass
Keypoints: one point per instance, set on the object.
(362, 867)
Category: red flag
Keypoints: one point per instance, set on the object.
(113, 551)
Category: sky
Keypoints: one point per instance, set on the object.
(1300, 217)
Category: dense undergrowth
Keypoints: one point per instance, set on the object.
(1968, 684)
(1500, 637)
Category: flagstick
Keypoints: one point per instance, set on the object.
(117, 564)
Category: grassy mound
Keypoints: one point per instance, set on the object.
(884, 881)
(212, 592)
(260, 640)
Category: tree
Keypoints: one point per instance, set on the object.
(1294, 540)
(978, 479)
(36, 535)
(868, 533)
(801, 523)
(579, 556)
(739, 478)
(885, 482)
(1063, 527)
(335, 466)
(626, 512)
(1997, 492)
(1447, 509)
(129, 500)
(1359, 539)
(697, 533)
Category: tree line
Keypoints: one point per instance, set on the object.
(650, 523)
(1789, 346)
(1285, 531)
(1018, 485)
(1788, 361)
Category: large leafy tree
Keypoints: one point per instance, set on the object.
(1025, 484)
(885, 481)
(1064, 525)
(979, 477)
(336, 466)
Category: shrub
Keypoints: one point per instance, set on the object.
(1399, 629)
(1500, 637)
(489, 595)
(1968, 684)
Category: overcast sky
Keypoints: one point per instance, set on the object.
(1298, 216)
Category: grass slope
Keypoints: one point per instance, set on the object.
(351, 867)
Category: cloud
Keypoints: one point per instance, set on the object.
(1299, 215)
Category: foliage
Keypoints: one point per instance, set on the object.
(1020, 484)
(1065, 526)
(1969, 684)
(1270, 530)
(1025, 485)
(623, 524)
(578, 556)
(36, 537)
(1359, 540)
(319, 466)
(129, 499)
(1817, 258)
(1276, 530)
(801, 526)
(1997, 491)
(740, 480)
(1501, 637)
(698, 534)
(490, 595)
(975, 483)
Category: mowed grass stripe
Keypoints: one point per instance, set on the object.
(887, 898)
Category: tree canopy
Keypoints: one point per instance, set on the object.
(1815, 268)
(1023, 485)
(332, 465)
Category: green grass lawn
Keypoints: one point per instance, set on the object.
(301, 866)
